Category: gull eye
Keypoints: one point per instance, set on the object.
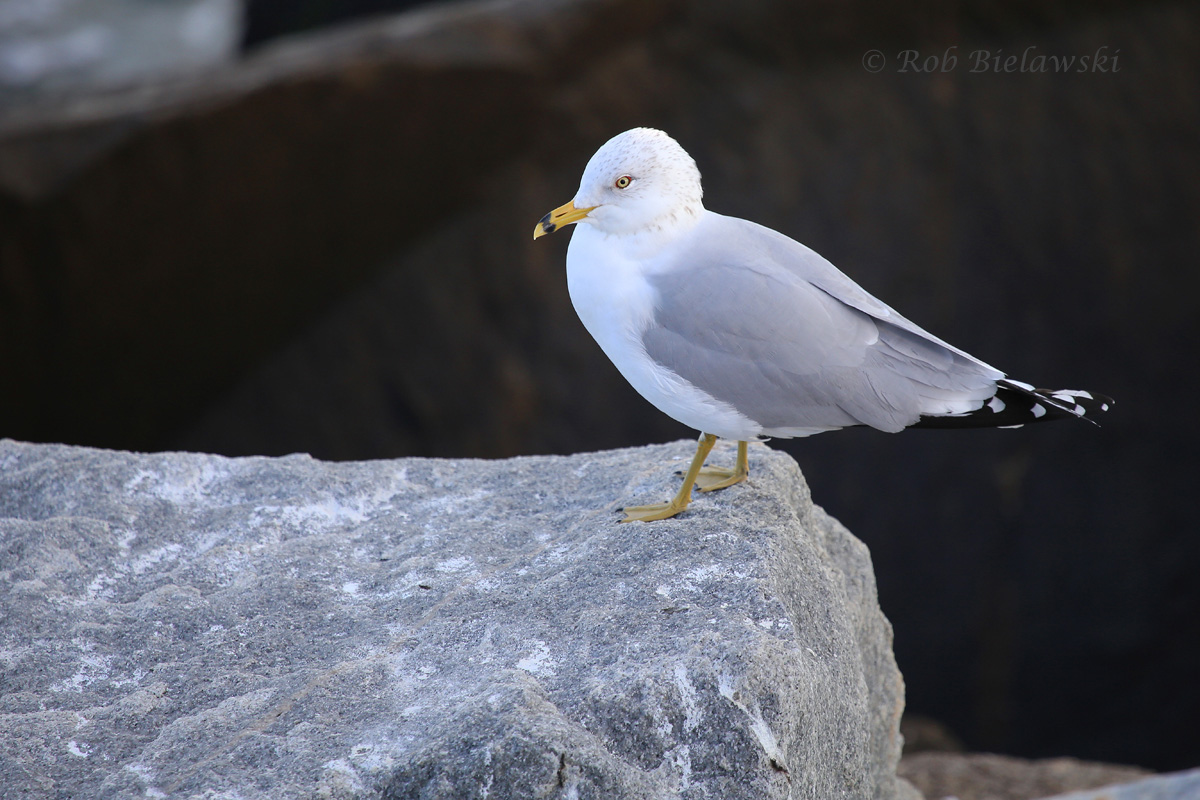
(623, 182)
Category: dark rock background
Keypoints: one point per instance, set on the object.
(265, 20)
(327, 248)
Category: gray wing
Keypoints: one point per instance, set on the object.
(808, 265)
(791, 342)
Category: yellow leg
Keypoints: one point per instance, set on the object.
(665, 510)
(712, 478)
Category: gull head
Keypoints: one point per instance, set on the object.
(639, 180)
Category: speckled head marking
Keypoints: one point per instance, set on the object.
(640, 179)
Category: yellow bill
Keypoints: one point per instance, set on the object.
(563, 215)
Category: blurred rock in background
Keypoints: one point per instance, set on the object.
(58, 46)
(326, 247)
(270, 19)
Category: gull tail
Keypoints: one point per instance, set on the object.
(1016, 404)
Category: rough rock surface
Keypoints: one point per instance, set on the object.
(196, 625)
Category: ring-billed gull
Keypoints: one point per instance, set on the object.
(740, 332)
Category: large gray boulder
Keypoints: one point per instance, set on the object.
(192, 625)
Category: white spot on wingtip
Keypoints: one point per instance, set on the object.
(996, 405)
(1071, 394)
(1038, 411)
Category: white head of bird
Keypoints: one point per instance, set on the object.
(638, 181)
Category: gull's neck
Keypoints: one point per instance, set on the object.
(647, 242)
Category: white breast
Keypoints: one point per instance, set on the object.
(616, 305)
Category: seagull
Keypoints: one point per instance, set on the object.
(742, 333)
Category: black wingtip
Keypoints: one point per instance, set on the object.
(1016, 404)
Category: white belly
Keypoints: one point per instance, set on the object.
(616, 305)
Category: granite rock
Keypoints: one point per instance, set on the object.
(188, 625)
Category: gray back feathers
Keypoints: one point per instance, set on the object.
(763, 323)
